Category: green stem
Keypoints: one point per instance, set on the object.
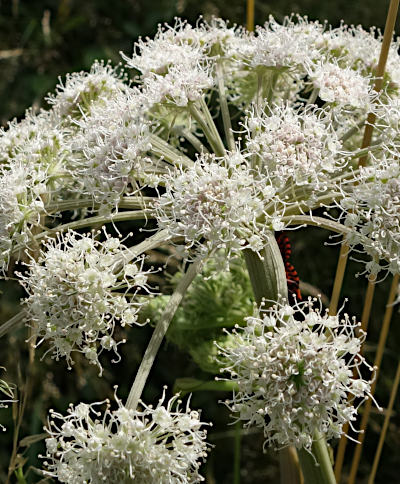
(355, 129)
(268, 279)
(204, 119)
(193, 140)
(317, 222)
(313, 96)
(125, 202)
(226, 118)
(159, 333)
(317, 468)
(88, 222)
(163, 149)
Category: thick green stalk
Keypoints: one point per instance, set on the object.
(267, 275)
(321, 473)
(317, 222)
(90, 222)
(125, 202)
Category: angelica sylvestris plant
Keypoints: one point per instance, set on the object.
(211, 141)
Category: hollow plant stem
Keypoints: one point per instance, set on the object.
(367, 138)
(202, 115)
(378, 360)
(159, 333)
(338, 282)
(380, 71)
(12, 323)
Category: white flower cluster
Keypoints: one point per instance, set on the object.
(174, 67)
(295, 368)
(293, 145)
(21, 191)
(161, 445)
(78, 294)
(341, 86)
(109, 148)
(372, 207)
(215, 205)
(75, 96)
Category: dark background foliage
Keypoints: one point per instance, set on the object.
(41, 40)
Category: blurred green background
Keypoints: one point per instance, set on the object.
(41, 40)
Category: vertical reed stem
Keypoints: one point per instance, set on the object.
(378, 359)
(250, 15)
(385, 425)
(337, 285)
(364, 324)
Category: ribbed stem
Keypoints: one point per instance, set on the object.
(337, 285)
(250, 15)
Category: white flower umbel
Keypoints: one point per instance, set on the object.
(161, 445)
(341, 86)
(214, 205)
(372, 208)
(170, 47)
(179, 86)
(78, 294)
(109, 148)
(359, 49)
(21, 190)
(282, 46)
(298, 373)
(80, 89)
(294, 145)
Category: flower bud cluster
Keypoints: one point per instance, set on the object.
(77, 294)
(298, 373)
(161, 445)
